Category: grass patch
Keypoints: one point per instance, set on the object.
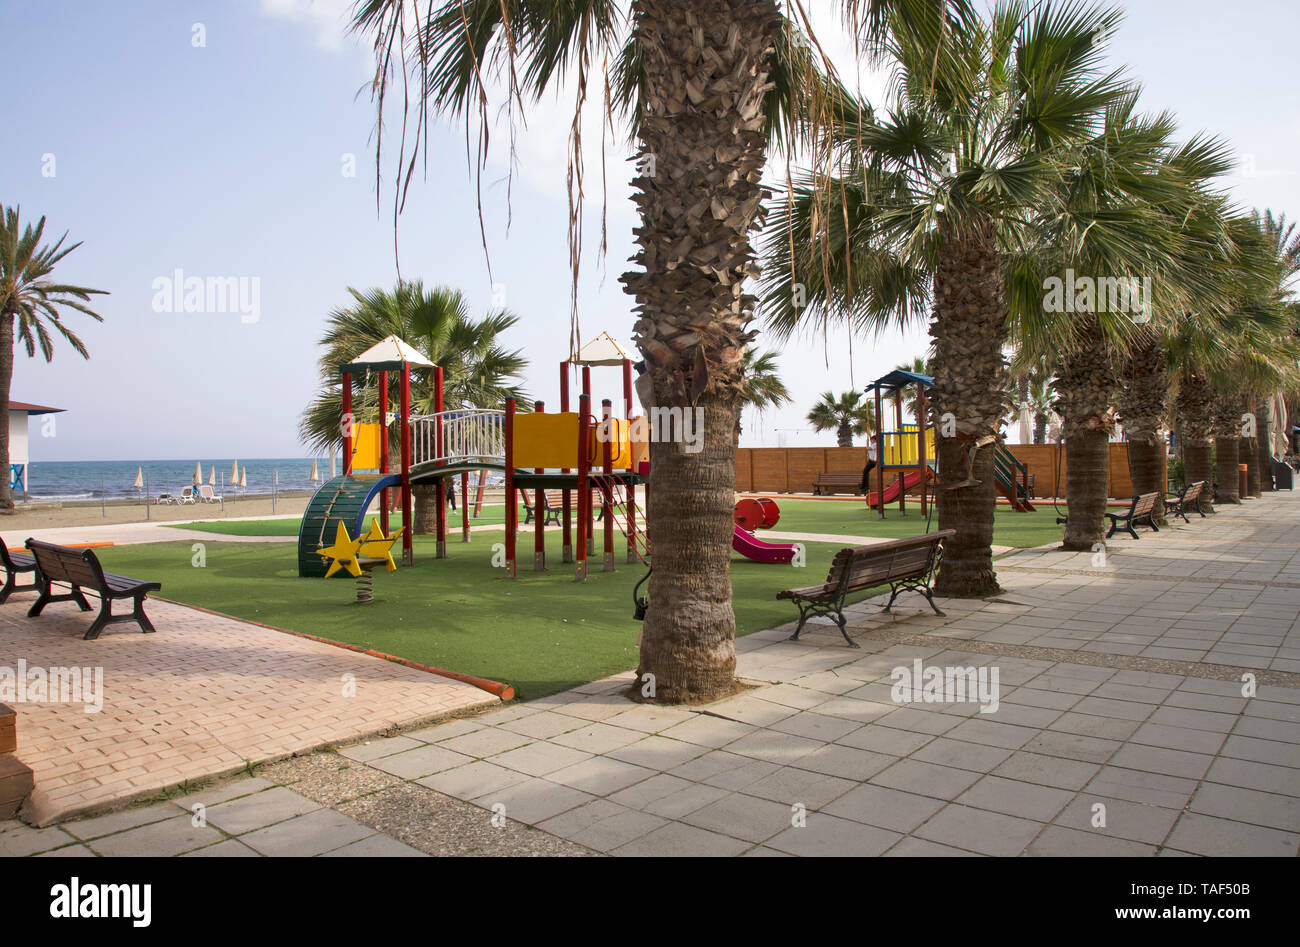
(832, 517)
(541, 632)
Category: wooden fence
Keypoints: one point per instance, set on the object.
(794, 469)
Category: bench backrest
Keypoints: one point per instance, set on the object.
(5, 557)
(1144, 504)
(1192, 491)
(61, 564)
(840, 477)
(862, 567)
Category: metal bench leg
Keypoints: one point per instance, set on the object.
(929, 596)
(41, 601)
(841, 621)
(893, 594)
(104, 617)
(80, 599)
(1132, 531)
(803, 617)
(146, 626)
(9, 587)
(1114, 525)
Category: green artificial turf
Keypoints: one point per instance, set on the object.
(832, 517)
(541, 632)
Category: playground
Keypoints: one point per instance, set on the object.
(574, 477)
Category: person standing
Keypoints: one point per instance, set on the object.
(871, 463)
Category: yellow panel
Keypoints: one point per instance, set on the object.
(621, 453)
(365, 446)
(901, 449)
(546, 440)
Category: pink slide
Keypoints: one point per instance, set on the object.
(751, 548)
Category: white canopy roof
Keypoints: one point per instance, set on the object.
(603, 350)
(390, 352)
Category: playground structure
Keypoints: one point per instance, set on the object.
(596, 463)
(904, 449)
(913, 455)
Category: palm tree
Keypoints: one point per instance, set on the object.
(849, 414)
(707, 86)
(1284, 241)
(30, 304)
(932, 196)
(477, 370)
(1112, 222)
(762, 386)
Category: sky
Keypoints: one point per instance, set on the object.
(215, 139)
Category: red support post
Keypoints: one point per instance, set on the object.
(539, 519)
(607, 495)
(383, 449)
(584, 489)
(408, 545)
(512, 502)
(566, 549)
(347, 422)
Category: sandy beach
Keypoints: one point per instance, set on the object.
(52, 516)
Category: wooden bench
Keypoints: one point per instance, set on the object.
(829, 483)
(80, 568)
(1141, 510)
(902, 564)
(15, 563)
(1188, 498)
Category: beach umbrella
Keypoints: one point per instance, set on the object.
(212, 477)
(139, 478)
(1281, 444)
(234, 472)
(198, 473)
(243, 478)
(315, 477)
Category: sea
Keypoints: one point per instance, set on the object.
(88, 480)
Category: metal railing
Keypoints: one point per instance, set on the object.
(467, 434)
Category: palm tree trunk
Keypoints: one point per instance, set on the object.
(969, 329)
(1196, 433)
(1086, 388)
(1143, 404)
(1147, 468)
(705, 68)
(844, 434)
(1263, 447)
(1227, 450)
(1250, 457)
(1198, 464)
(6, 379)
(424, 516)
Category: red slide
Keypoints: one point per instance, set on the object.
(910, 479)
(751, 548)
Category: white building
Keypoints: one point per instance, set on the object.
(19, 412)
